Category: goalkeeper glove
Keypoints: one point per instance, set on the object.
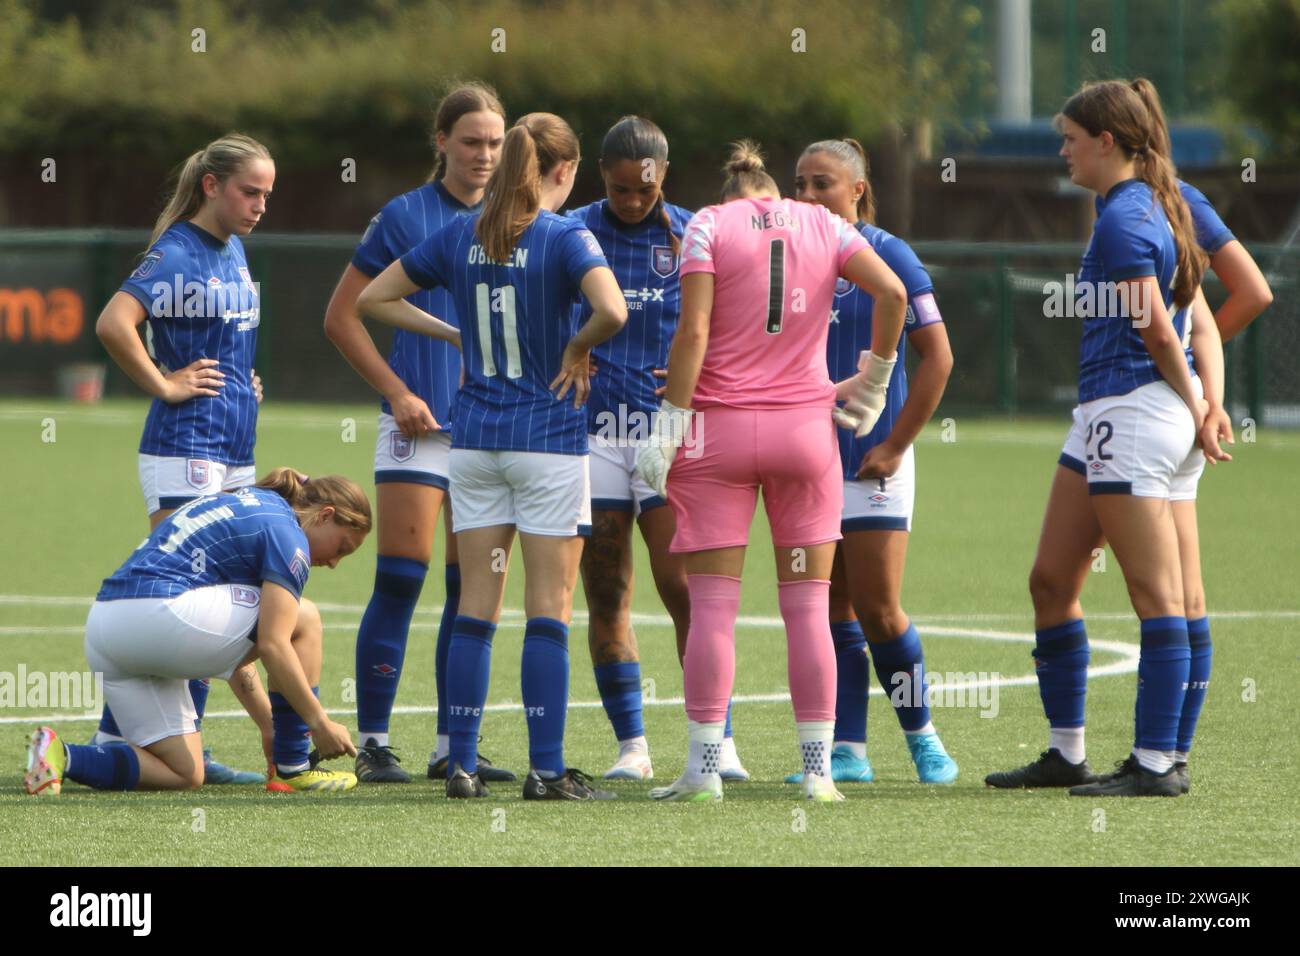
(866, 399)
(656, 456)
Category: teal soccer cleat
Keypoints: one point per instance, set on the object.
(214, 772)
(845, 768)
(933, 765)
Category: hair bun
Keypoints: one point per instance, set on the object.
(745, 158)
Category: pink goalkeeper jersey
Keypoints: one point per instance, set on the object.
(774, 262)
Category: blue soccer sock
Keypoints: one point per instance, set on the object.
(1162, 680)
(381, 642)
(450, 608)
(199, 688)
(620, 691)
(469, 666)
(545, 679)
(1061, 657)
(1061, 664)
(1198, 681)
(726, 727)
(291, 740)
(110, 767)
(852, 681)
(900, 667)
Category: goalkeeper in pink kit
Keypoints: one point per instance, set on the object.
(750, 398)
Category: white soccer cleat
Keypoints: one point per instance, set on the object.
(820, 789)
(729, 765)
(633, 765)
(691, 788)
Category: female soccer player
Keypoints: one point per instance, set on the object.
(640, 234)
(879, 482)
(417, 383)
(1135, 429)
(519, 453)
(1067, 543)
(216, 586)
(202, 307)
(749, 356)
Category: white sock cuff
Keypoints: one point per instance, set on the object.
(705, 733)
(810, 730)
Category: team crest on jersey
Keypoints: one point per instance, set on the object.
(244, 597)
(299, 566)
(198, 472)
(147, 265)
(592, 245)
(842, 285)
(370, 228)
(402, 447)
(663, 261)
(248, 279)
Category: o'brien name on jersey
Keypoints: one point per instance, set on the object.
(232, 301)
(477, 257)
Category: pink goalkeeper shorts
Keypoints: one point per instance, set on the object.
(791, 453)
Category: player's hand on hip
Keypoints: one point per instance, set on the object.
(412, 415)
(257, 385)
(882, 461)
(1216, 429)
(200, 377)
(332, 740)
(575, 374)
(866, 396)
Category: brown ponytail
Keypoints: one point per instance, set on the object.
(222, 158)
(1117, 107)
(534, 146)
(745, 173)
(307, 496)
(1159, 139)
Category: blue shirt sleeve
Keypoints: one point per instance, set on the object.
(1125, 245)
(581, 253)
(285, 556)
(159, 267)
(382, 242)
(425, 264)
(1212, 234)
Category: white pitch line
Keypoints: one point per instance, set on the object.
(1127, 664)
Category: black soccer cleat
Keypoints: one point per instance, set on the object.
(574, 785)
(1049, 770)
(486, 771)
(1184, 778)
(377, 764)
(462, 785)
(1131, 779)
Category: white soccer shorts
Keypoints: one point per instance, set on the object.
(537, 492)
(881, 504)
(172, 482)
(148, 649)
(420, 461)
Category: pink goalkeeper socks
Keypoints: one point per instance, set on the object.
(805, 608)
(710, 666)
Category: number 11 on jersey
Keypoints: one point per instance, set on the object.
(502, 300)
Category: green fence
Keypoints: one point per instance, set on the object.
(1010, 357)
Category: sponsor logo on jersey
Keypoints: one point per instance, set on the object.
(299, 566)
(198, 472)
(842, 285)
(663, 261)
(147, 265)
(402, 447)
(243, 596)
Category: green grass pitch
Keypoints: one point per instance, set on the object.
(74, 512)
